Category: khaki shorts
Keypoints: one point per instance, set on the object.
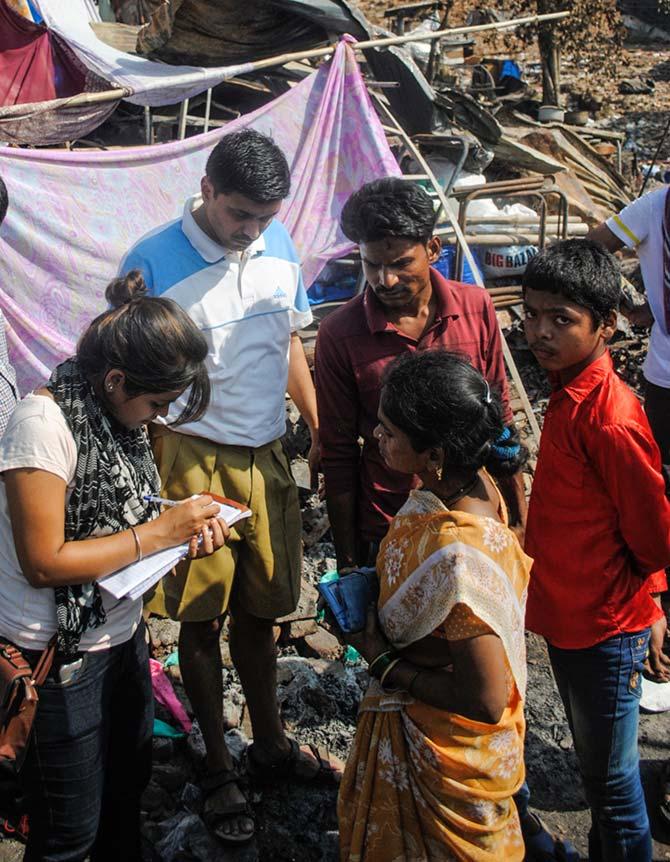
(263, 557)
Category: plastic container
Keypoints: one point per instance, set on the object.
(332, 291)
(351, 656)
(551, 114)
(446, 261)
(577, 118)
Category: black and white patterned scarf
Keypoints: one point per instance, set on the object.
(115, 470)
(666, 262)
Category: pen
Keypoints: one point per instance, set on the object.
(152, 498)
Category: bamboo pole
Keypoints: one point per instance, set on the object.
(410, 37)
(521, 220)
(125, 92)
(10, 114)
(97, 98)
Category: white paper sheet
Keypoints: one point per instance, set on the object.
(134, 580)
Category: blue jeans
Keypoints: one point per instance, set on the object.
(600, 687)
(90, 758)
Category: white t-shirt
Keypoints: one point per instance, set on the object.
(38, 436)
(639, 226)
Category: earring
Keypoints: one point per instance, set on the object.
(110, 387)
(438, 473)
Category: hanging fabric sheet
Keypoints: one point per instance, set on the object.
(33, 67)
(150, 83)
(73, 215)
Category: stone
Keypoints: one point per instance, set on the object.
(301, 473)
(306, 603)
(195, 744)
(315, 524)
(302, 628)
(191, 798)
(289, 666)
(322, 645)
(237, 743)
(155, 798)
(226, 660)
(175, 840)
(163, 749)
(169, 776)
(306, 608)
(165, 631)
(232, 714)
(296, 441)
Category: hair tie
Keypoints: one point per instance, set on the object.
(487, 394)
(506, 453)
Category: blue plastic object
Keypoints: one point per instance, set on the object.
(321, 291)
(445, 264)
(509, 69)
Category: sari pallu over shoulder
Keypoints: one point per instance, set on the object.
(423, 784)
(453, 558)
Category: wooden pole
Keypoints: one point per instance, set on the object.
(97, 98)
(124, 92)
(410, 37)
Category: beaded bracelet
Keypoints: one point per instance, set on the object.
(383, 660)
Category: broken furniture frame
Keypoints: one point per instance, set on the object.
(429, 176)
(400, 14)
(536, 187)
(436, 139)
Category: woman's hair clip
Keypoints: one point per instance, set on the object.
(487, 394)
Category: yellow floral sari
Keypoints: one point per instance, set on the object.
(422, 784)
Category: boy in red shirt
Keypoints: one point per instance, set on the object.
(599, 533)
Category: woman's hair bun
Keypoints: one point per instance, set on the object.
(123, 290)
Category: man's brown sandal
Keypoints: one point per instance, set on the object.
(262, 773)
(231, 812)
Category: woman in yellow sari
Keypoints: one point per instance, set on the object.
(438, 752)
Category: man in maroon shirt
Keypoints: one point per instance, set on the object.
(599, 534)
(407, 305)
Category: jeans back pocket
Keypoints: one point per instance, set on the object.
(639, 650)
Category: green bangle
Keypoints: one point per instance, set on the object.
(379, 664)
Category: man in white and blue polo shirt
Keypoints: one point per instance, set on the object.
(234, 268)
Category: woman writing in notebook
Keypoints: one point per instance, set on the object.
(76, 467)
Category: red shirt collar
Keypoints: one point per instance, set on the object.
(446, 293)
(587, 380)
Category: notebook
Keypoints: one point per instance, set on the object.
(137, 578)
